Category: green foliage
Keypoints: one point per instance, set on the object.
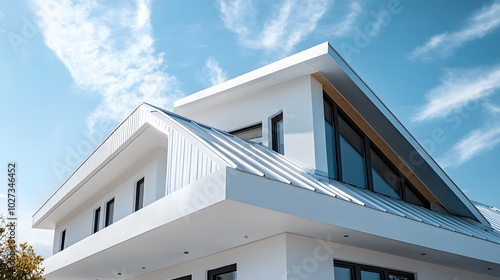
(18, 261)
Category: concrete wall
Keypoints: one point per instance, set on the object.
(300, 100)
(79, 225)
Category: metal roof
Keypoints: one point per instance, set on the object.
(256, 159)
(492, 214)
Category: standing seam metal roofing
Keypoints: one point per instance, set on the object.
(256, 159)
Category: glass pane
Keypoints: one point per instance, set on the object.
(370, 275)
(330, 150)
(342, 273)
(281, 137)
(411, 197)
(385, 180)
(353, 164)
(351, 135)
(226, 276)
(398, 277)
(327, 107)
(253, 133)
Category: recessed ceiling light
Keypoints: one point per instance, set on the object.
(346, 235)
(423, 254)
(489, 268)
(186, 252)
(143, 267)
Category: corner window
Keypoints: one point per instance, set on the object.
(351, 271)
(278, 134)
(97, 220)
(223, 273)
(63, 240)
(139, 194)
(110, 211)
(252, 133)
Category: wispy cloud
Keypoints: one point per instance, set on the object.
(479, 24)
(213, 72)
(2, 195)
(109, 51)
(282, 29)
(475, 143)
(457, 88)
(493, 109)
(344, 28)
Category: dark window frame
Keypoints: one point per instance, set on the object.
(109, 217)
(97, 220)
(368, 144)
(63, 240)
(211, 274)
(139, 194)
(385, 272)
(275, 133)
(187, 277)
(246, 129)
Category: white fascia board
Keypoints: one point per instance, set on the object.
(289, 68)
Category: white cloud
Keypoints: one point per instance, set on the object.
(284, 28)
(2, 15)
(345, 27)
(475, 143)
(479, 24)
(109, 51)
(492, 108)
(457, 88)
(213, 71)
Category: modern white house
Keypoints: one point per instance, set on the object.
(292, 171)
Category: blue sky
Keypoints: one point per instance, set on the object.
(71, 70)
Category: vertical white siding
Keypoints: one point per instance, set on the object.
(185, 162)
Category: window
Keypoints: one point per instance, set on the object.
(223, 273)
(63, 240)
(139, 194)
(110, 209)
(187, 277)
(277, 134)
(252, 133)
(352, 271)
(97, 220)
(352, 158)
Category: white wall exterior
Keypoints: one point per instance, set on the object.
(292, 257)
(300, 100)
(79, 225)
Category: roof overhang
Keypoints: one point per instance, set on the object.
(249, 208)
(324, 59)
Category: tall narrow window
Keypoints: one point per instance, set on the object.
(278, 134)
(223, 273)
(139, 194)
(252, 133)
(385, 179)
(63, 240)
(97, 220)
(110, 209)
(330, 140)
